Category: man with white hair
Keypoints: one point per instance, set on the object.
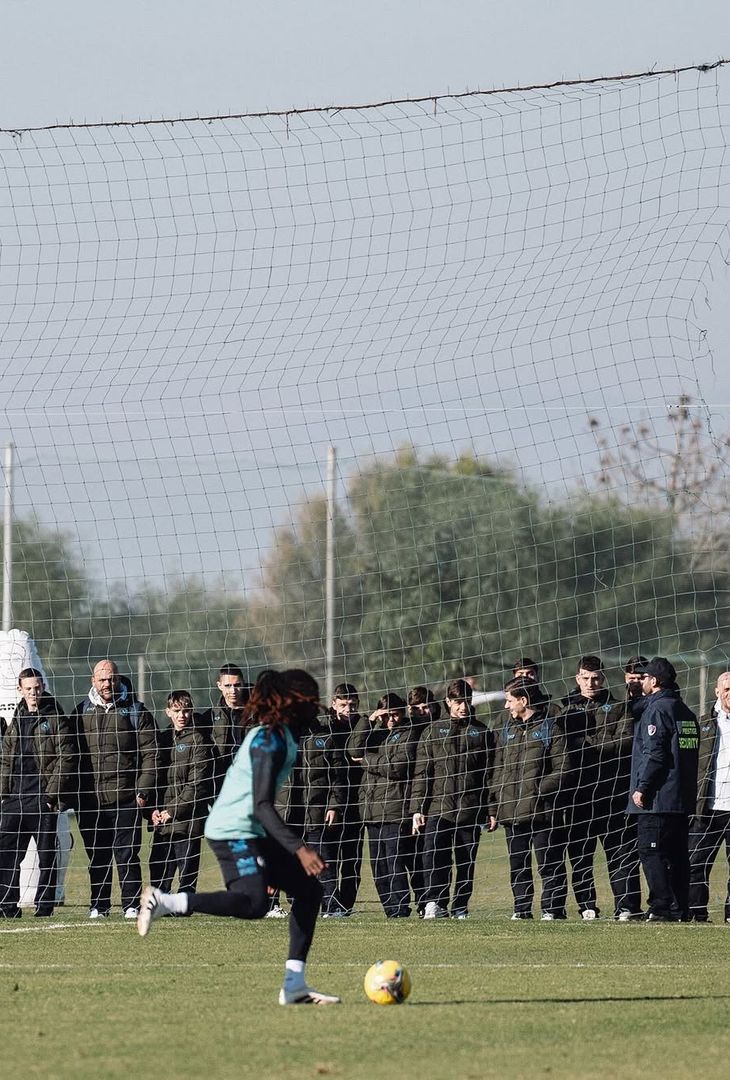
(710, 827)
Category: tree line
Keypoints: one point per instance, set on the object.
(443, 568)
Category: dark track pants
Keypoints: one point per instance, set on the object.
(618, 835)
(548, 843)
(706, 836)
(169, 855)
(324, 839)
(113, 835)
(249, 868)
(389, 850)
(413, 858)
(347, 843)
(447, 845)
(23, 820)
(663, 849)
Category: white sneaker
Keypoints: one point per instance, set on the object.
(629, 916)
(334, 915)
(547, 916)
(435, 911)
(97, 913)
(460, 915)
(589, 915)
(131, 913)
(305, 995)
(151, 907)
(276, 912)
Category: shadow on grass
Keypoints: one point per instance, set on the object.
(616, 999)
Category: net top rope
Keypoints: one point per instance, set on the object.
(434, 98)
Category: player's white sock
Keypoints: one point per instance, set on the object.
(294, 975)
(177, 903)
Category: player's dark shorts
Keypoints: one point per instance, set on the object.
(250, 868)
(253, 866)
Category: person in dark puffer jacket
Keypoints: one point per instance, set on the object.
(664, 789)
(224, 721)
(346, 842)
(313, 801)
(117, 753)
(599, 731)
(449, 799)
(38, 762)
(530, 765)
(179, 820)
(423, 709)
(387, 751)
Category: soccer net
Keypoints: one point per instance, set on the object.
(466, 351)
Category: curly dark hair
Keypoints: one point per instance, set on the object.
(280, 697)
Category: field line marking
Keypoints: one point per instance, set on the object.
(36, 929)
(236, 964)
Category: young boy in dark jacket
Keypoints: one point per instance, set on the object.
(599, 733)
(386, 748)
(530, 763)
(313, 803)
(179, 820)
(449, 799)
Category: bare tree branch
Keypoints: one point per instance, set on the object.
(683, 469)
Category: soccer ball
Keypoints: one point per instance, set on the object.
(387, 983)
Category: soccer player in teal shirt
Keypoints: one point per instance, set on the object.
(256, 850)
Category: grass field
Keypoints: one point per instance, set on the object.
(491, 998)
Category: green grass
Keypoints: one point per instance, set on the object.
(490, 999)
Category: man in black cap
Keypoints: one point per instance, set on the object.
(664, 789)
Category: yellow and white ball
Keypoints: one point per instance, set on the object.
(387, 983)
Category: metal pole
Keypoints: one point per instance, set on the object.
(329, 583)
(140, 677)
(8, 541)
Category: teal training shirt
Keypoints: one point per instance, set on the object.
(233, 816)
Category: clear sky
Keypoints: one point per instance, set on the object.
(188, 318)
(93, 60)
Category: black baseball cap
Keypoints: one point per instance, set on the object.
(661, 670)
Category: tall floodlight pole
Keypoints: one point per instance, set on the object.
(141, 671)
(703, 683)
(8, 541)
(329, 583)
